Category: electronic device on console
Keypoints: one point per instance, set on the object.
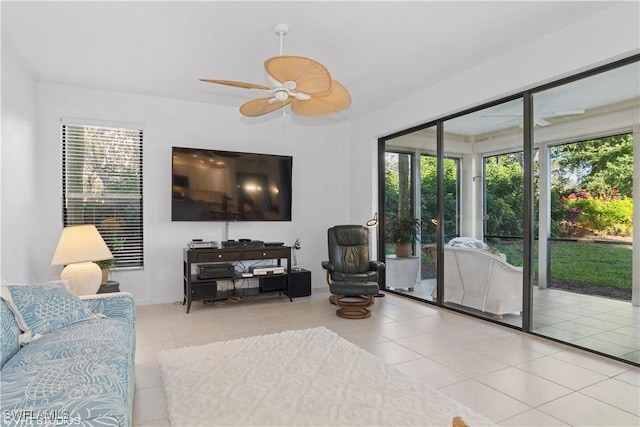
(215, 271)
(242, 243)
(198, 243)
(274, 243)
(264, 270)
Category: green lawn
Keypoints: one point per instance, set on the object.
(592, 263)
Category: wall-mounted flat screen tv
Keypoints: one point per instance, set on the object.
(214, 185)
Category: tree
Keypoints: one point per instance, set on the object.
(601, 166)
(428, 196)
(404, 187)
(505, 194)
(391, 185)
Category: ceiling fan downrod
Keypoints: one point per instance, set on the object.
(281, 30)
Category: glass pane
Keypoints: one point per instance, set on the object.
(586, 289)
(103, 186)
(410, 193)
(504, 204)
(429, 215)
(483, 236)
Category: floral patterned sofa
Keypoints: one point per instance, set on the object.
(66, 359)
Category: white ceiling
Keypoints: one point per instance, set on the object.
(381, 51)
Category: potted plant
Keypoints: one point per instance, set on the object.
(104, 265)
(109, 230)
(403, 231)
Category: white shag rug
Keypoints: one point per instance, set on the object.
(310, 377)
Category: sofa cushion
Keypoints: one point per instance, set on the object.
(470, 242)
(42, 308)
(9, 343)
(83, 371)
(467, 242)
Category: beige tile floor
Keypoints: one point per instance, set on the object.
(512, 378)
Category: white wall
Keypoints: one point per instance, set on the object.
(599, 39)
(19, 194)
(319, 178)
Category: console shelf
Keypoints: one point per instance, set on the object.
(199, 289)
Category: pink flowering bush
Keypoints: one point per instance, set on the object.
(586, 215)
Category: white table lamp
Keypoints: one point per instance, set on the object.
(78, 247)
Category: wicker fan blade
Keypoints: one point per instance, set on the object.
(242, 85)
(261, 106)
(336, 100)
(310, 76)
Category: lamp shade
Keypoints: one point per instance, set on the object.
(80, 243)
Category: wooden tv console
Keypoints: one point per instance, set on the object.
(206, 289)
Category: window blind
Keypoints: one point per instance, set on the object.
(102, 185)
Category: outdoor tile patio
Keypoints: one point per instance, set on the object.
(601, 324)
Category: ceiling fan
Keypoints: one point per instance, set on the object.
(301, 82)
(539, 119)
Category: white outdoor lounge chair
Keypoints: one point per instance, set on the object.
(479, 279)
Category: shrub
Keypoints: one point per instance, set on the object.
(603, 216)
(616, 217)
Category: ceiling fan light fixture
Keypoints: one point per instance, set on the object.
(281, 95)
(302, 96)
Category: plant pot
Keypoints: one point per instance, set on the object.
(403, 249)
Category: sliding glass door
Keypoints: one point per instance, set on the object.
(586, 293)
(411, 195)
(483, 255)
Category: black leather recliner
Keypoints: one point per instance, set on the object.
(350, 272)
